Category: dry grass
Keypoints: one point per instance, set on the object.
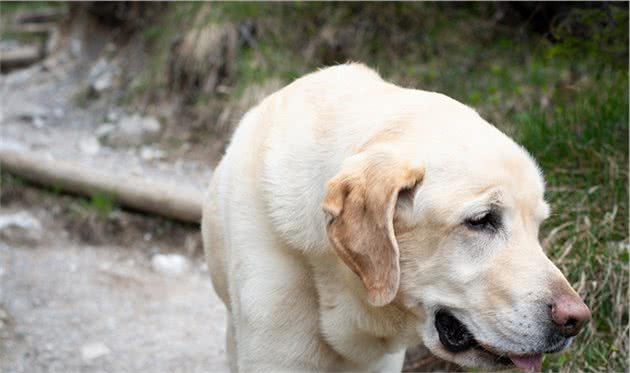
(583, 149)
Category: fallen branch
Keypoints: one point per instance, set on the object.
(33, 28)
(19, 57)
(40, 16)
(167, 199)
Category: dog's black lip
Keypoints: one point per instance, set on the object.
(455, 337)
(452, 333)
(498, 358)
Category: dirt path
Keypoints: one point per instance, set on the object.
(83, 297)
(44, 109)
(72, 307)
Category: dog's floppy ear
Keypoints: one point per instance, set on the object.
(361, 201)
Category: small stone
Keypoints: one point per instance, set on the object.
(170, 264)
(103, 82)
(98, 69)
(90, 146)
(133, 130)
(39, 122)
(104, 129)
(20, 228)
(93, 351)
(28, 112)
(58, 112)
(112, 116)
(148, 153)
(75, 47)
(101, 75)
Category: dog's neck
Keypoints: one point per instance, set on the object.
(355, 329)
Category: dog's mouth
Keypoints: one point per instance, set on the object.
(455, 337)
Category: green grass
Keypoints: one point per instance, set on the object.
(102, 203)
(12, 7)
(99, 207)
(582, 146)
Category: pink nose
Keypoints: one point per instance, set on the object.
(569, 314)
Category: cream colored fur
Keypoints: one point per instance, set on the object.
(333, 228)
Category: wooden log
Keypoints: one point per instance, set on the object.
(19, 57)
(163, 198)
(41, 29)
(40, 16)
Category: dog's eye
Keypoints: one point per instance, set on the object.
(488, 221)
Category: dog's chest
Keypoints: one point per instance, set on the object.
(357, 331)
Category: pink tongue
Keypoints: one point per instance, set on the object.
(530, 363)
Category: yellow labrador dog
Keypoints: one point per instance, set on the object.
(351, 218)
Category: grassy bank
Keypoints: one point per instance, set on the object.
(563, 96)
(582, 146)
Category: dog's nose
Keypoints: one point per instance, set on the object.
(569, 314)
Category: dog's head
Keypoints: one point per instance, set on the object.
(451, 234)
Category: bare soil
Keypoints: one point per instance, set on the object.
(70, 291)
